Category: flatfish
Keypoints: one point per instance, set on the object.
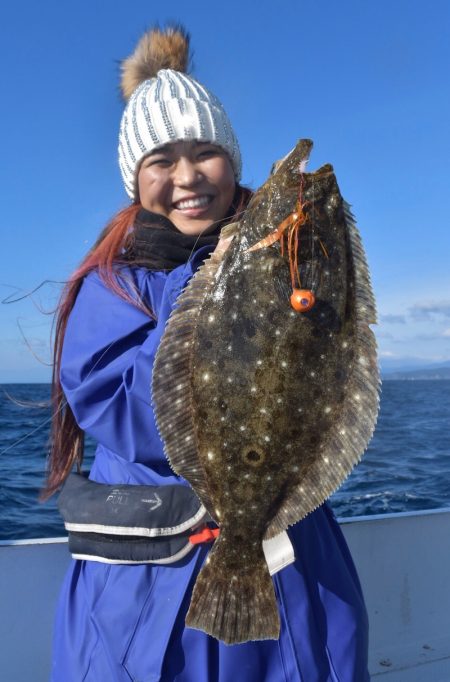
(263, 408)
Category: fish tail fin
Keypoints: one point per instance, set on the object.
(234, 606)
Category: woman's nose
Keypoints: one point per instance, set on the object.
(186, 173)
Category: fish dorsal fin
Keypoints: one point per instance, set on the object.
(172, 388)
(351, 433)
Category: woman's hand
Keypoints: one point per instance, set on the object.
(228, 233)
(222, 245)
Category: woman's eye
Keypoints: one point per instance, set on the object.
(159, 161)
(208, 153)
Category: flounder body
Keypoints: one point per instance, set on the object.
(265, 410)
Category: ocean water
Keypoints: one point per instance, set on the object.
(405, 468)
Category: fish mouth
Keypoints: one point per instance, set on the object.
(298, 155)
(194, 203)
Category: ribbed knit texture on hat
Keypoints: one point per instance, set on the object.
(169, 108)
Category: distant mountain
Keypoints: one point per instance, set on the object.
(391, 366)
(434, 373)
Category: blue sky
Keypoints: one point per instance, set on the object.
(368, 82)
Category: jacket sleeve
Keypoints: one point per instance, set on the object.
(107, 360)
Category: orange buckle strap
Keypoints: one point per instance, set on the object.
(205, 535)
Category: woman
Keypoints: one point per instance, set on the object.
(180, 162)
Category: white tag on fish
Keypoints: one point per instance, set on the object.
(279, 552)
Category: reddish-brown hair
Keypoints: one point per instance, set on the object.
(67, 438)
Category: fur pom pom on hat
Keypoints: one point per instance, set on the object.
(166, 105)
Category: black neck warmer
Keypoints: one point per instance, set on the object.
(157, 244)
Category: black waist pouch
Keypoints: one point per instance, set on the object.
(129, 524)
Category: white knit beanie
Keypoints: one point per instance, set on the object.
(166, 105)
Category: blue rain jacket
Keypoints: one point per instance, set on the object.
(117, 623)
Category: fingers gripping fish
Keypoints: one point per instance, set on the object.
(263, 409)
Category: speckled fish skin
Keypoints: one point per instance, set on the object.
(275, 407)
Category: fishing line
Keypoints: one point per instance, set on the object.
(49, 419)
(28, 345)
(8, 299)
(216, 222)
(314, 268)
(64, 404)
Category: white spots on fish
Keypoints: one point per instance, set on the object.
(322, 357)
(269, 477)
(312, 374)
(263, 410)
(362, 360)
(277, 332)
(292, 314)
(344, 344)
(247, 266)
(279, 400)
(180, 387)
(259, 362)
(211, 318)
(230, 380)
(267, 439)
(289, 446)
(272, 301)
(205, 376)
(261, 314)
(188, 438)
(237, 296)
(342, 432)
(295, 468)
(234, 578)
(357, 396)
(230, 347)
(283, 363)
(234, 316)
(326, 460)
(255, 301)
(222, 419)
(240, 512)
(253, 389)
(210, 455)
(225, 444)
(299, 409)
(242, 427)
(327, 409)
(217, 513)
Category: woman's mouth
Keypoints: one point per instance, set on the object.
(193, 203)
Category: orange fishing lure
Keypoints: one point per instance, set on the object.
(286, 233)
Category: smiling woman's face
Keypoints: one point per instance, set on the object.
(191, 183)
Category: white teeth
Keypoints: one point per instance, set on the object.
(198, 202)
